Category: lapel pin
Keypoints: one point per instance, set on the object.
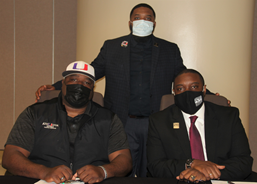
(156, 44)
(176, 125)
(124, 44)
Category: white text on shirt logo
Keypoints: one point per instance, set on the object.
(50, 125)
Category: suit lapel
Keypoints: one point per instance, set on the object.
(125, 55)
(155, 55)
(211, 127)
(181, 133)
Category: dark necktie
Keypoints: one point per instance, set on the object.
(195, 141)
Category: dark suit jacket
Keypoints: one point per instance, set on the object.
(226, 142)
(113, 62)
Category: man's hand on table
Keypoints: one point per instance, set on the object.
(201, 171)
(57, 174)
(89, 174)
(191, 175)
(209, 169)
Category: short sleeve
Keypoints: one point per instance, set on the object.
(22, 133)
(118, 137)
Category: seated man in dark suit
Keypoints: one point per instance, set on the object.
(196, 140)
(69, 136)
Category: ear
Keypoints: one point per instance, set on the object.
(129, 23)
(154, 24)
(91, 94)
(92, 87)
(63, 88)
(204, 90)
(130, 26)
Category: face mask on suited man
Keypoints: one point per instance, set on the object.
(189, 101)
(142, 28)
(77, 95)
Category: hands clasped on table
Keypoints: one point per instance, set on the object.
(201, 171)
(88, 174)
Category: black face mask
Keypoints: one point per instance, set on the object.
(77, 95)
(189, 101)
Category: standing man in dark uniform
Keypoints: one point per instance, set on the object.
(139, 69)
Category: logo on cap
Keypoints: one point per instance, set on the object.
(82, 68)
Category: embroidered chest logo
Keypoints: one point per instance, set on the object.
(50, 125)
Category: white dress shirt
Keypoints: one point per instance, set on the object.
(199, 123)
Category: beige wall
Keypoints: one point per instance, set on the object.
(37, 41)
(214, 37)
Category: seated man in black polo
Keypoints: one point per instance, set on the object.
(196, 140)
(68, 137)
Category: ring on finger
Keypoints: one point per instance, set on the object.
(192, 177)
(62, 178)
(210, 174)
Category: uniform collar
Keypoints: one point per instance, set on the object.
(141, 40)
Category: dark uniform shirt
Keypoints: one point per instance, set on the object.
(74, 125)
(23, 131)
(140, 72)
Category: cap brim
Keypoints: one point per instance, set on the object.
(67, 73)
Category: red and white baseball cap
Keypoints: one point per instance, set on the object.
(80, 67)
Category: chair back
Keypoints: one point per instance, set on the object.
(47, 95)
(168, 100)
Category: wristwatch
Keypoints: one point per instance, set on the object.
(189, 163)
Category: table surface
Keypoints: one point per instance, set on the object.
(124, 180)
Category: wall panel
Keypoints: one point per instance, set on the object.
(33, 20)
(6, 68)
(38, 40)
(65, 21)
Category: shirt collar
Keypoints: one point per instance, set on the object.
(134, 42)
(199, 114)
(88, 109)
